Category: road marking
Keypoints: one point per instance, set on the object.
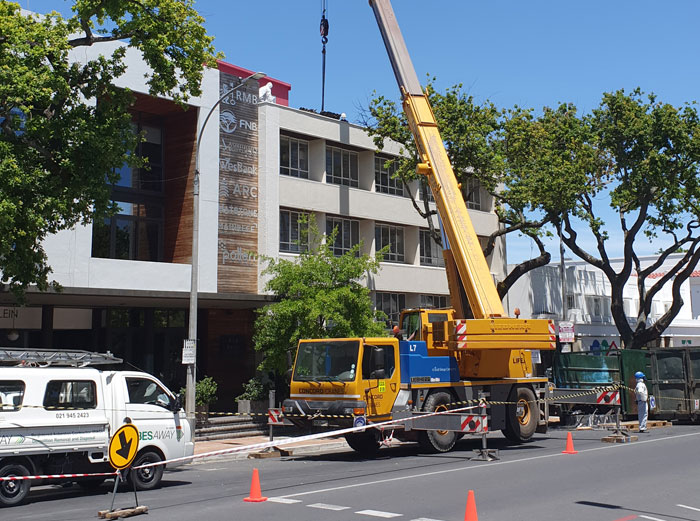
(378, 513)
(689, 508)
(614, 446)
(651, 518)
(284, 500)
(324, 506)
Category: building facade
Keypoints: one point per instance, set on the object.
(538, 294)
(263, 164)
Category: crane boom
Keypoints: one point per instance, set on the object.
(471, 265)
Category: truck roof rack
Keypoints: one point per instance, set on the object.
(47, 357)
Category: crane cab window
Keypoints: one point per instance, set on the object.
(377, 362)
(71, 394)
(411, 324)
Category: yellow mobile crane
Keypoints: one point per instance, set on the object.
(471, 351)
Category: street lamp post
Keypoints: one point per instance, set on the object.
(191, 342)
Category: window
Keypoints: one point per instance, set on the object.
(391, 304)
(430, 251)
(11, 395)
(294, 157)
(571, 301)
(149, 178)
(73, 394)
(384, 181)
(392, 236)
(294, 236)
(341, 167)
(471, 189)
(377, 362)
(135, 233)
(348, 234)
(433, 301)
(148, 392)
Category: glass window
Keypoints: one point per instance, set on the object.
(341, 167)
(430, 251)
(384, 180)
(392, 236)
(135, 233)
(391, 304)
(377, 362)
(433, 301)
(145, 391)
(72, 394)
(11, 395)
(332, 360)
(471, 189)
(294, 236)
(347, 236)
(294, 157)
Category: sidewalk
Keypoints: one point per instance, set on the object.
(296, 448)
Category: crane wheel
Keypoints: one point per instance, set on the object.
(437, 441)
(521, 416)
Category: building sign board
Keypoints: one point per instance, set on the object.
(238, 187)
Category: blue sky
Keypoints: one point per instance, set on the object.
(532, 54)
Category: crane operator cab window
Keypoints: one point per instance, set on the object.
(411, 325)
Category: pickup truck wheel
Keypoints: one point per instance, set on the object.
(148, 478)
(13, 492)
(522, 415)
(364, 443)
(437, 441)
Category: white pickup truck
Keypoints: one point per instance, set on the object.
(59, 420)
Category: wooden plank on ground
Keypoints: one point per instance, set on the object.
(122, 512)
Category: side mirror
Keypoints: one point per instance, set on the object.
(176, 404)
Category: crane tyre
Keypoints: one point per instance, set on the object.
(364, 443)
(437, 441)
(521, 415)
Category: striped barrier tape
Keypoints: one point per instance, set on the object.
(57, 476)
(243, 448)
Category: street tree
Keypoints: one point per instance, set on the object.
(64, 124)
(651, 189)
(319, 295)
(497, 148)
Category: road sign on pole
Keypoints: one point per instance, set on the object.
(123, 446)
(189, 352)
(566, 332)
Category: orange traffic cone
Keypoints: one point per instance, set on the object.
(470, 514)
(569, 445)
(255, 495)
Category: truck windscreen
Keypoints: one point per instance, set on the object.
(333, 360)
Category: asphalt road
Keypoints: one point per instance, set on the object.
(655, 478)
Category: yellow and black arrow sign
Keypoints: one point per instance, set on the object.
(123, 446)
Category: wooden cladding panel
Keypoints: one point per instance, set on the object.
(180, 134)
(238, 188)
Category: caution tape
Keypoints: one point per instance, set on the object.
(57, 476)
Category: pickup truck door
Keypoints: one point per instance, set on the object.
(149, 405)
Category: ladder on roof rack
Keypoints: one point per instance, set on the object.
(46, 357)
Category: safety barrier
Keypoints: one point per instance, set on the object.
(244, 448)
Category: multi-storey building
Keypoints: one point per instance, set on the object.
(126, 281)
(538, 294)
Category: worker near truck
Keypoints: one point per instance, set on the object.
(397, 333)
(642, 395)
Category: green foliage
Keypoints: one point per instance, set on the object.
(64, 125)
(253, 390)
(320, 296)
(205, 391)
